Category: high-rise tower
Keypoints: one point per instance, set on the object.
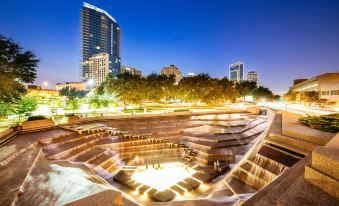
(253, 76)
(236, 72)
(100, 33)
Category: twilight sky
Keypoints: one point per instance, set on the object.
(281, 40)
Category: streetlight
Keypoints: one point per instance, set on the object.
(45, 83)
(90, 82)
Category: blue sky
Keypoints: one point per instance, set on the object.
(282, 40)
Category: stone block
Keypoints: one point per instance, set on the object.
(143, 189)
(254, 110)
(185, 185)
(37, 125)
(322, 181)
(178, 189)
(163, 196)
(326, 160)
(194, 183)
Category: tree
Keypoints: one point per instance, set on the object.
(309, 96)
(26, 104)
(195, 88)
(158, 87)
(127, 88)
(245, 88)
(291, 96)
(97, 101)
(214, 94)
(6, 109)
(16, 67)
(263, 93)
(54, 103)
(73, 104)
(229, 91)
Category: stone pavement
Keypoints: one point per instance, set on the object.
(292, 135)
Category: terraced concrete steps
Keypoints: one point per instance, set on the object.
(101, 158)
(326, 159)
(323, 171)
(258, 171)
(250, 179)
(59, 139)
(278, 156)
(269, 195)
(87, 155)
(286, 147)
(239, 187)
(261, 161)
(72, 147)
(298, 144)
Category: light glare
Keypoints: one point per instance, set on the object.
(164, 177)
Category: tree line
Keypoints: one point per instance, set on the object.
(132, 89)
(18, 66)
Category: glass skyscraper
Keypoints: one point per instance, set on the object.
(236, 72)
(100, 33)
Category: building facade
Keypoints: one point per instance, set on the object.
(191, 74)
(253, 76)
(236, 72)
(327, 86)
(98, 68)
(79, 86)
(100, 33)
(130, 70)
(172, 70)
(37, 90)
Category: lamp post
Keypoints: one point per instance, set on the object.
(45, 83)
(90, 82)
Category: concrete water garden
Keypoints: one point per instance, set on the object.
(210, 157)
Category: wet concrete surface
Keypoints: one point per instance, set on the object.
(23, 140)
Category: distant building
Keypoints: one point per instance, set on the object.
(98, 67)
(253, 76)
(172, 70)
(79, 86)
(100, 33)
(131, 70)
(327, 85)
(37, 90)
(297, 81)
(191, 74)
(236, 72)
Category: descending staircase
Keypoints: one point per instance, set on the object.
(104, 152)
(259, 171)
(82, 149)
(211, 147)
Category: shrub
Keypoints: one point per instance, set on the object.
(327, 123)
(32, 118)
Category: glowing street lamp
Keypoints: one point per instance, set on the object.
(90, 82)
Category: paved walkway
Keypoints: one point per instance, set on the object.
(291, 127)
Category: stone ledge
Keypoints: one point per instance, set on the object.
(299, 143)
(322, 181)
(35, 125)
(326, 160)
